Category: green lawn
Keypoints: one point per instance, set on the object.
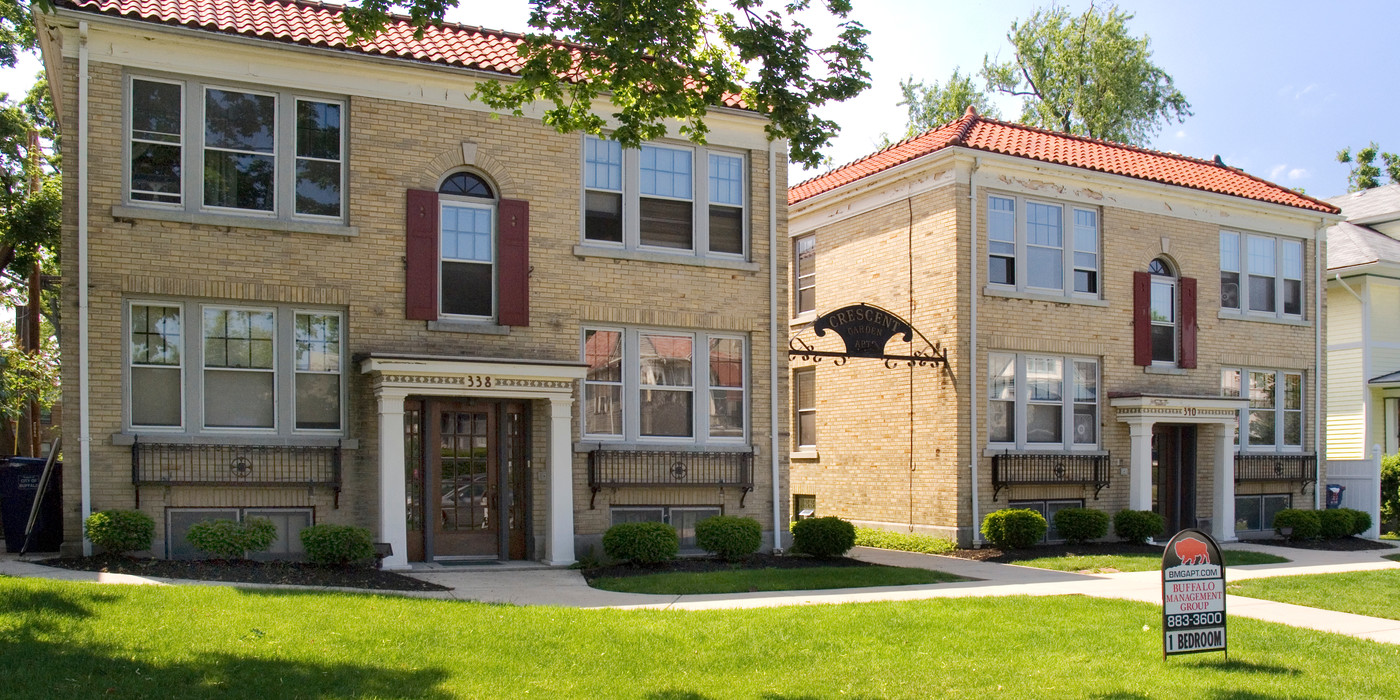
(1393, 557)
(1372, 593)
(745, 580)
(70, 640)
(1107, 563)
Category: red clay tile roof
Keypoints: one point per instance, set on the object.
(318, 24)
(979, 133)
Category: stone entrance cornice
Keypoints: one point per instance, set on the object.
(1149, 408)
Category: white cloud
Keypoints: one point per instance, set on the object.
(1305, 91)
(1181, 133)
(1297, 173)
(1278, 172)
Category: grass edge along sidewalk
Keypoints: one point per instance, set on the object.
(1369, 593)
(61, 638)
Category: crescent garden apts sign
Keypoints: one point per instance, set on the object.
(1193, 595)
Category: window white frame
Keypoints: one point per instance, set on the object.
(625, 181)
(804, 403)
(192, 150)
(1048, 507)
(700, 386)
(1164, 308)
(804, 279)
(134, 363)
(286, 546)
(205, 368)
(1078, 401)
(1275, 262)
(192, 381)
(1021, 228)
(671, 515)
(1266, 523)
(474, 204)
(1279, 409)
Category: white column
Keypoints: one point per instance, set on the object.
(1140, 466)
(393, 496)
(559, 535)
(1222, 521)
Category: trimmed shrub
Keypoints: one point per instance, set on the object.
(228, 539)
(1390, 493)
(823, 537)
(1305, 524)
(903, 541)
(1360, 521)
(1336, 523)
(642, 543)
(120, 531)
(729, 537)
(337, 545)
(1014, 528)
(1079, 525)
(1137, 526)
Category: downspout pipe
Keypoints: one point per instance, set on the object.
(1318, 239)
(773, 420)
(84, 350)
(972, 392)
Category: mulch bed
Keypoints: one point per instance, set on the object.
(278, 572)
(695, 565)
(1345, 544)
(1010, 556)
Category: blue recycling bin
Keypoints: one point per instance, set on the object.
(1334, 495)
(19, 485)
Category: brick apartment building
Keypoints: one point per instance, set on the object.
(317, 283)
(1110, 316)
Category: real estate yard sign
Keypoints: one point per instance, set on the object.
(1193, 595)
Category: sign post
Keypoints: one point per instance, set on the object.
(1193, 595)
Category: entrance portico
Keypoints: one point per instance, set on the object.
(397, 377)
(1144, 411)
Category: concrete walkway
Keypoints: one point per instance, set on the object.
(535, 584)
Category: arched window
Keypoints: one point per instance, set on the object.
(467, 246)
(1164, 312)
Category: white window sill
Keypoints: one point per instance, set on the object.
(804, 454)
(803, 318)
(1263, 318)
(233, 220)
(1163, 369)
(678, 258)
(129, 439)
(480, 327)
(1013, 450)
(585, 446)
(1006, 293)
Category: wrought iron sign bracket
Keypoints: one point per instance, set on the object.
(866, 329)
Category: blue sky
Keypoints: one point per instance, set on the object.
(1277, 88)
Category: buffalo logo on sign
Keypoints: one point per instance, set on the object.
(1193, 595)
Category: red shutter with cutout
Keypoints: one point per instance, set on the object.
(1188, 322)
(513, 276)
(421, 256)
(1142, 318)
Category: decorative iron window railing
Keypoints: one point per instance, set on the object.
(1028, 468)
(168, 464)
(1277, 467)
(617, 468)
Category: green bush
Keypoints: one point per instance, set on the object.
(337, 545)
(120, 531)
(1390, 493)
(1360, 521)
(228, 539)
(903, 541)
(1335, 523)
(729, 537)
(823, 537)
(1014, 528)
(1137, 526)
(1079, 525)
(643, 543)
(1306, 524)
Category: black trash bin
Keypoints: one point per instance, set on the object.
(19, 483)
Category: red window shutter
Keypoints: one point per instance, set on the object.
(513, 275)
(421, 257)
(1142, 318)
(1187, 320)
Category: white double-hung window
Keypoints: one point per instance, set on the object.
(1042, 247)
(1040, 402)
(1274, 419)
(1261, 275)
(665, 198)
(653, 385)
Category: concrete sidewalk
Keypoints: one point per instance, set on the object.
(536, 584)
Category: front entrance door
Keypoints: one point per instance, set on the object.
(476, 471)
(1174, 475)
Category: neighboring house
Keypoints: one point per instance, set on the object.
(316, 282)
(1109, 315)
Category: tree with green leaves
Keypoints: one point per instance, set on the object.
(1365, 174)
(937, 104)
(662, 60)
(1086, 75)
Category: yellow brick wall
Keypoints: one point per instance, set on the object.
(392, 147)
